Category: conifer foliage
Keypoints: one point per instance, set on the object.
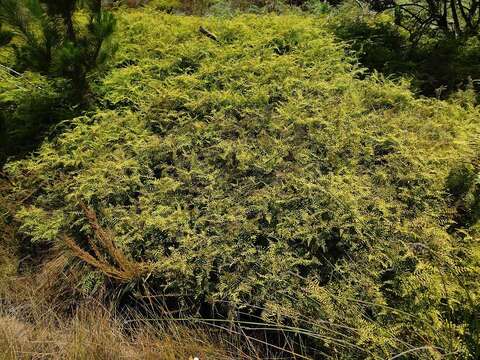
(66, 38)
(260, 179)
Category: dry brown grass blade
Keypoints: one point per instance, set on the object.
(104, 248)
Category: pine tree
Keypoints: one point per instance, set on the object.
(53, 44)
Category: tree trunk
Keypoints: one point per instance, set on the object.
(456, 22)
(69, 25)
(133, 3)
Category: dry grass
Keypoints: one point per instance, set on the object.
(34, 324)
(93, 333)
(38, 320)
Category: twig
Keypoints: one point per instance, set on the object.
(208, 34)
(11, 70)
(16, 73)
(6, 177)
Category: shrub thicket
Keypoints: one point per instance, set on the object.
(253, 174)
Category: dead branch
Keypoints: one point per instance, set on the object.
(208, 34)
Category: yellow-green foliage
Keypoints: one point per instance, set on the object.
(259, 171)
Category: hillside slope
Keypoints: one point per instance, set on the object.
(257, 176)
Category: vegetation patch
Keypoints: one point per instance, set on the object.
(257, 176)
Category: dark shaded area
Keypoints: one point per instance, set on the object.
(27, 119)
(464, 194)
(437, 65)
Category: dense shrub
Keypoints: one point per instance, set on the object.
(256, 175)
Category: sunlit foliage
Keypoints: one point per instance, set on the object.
(256, 175)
